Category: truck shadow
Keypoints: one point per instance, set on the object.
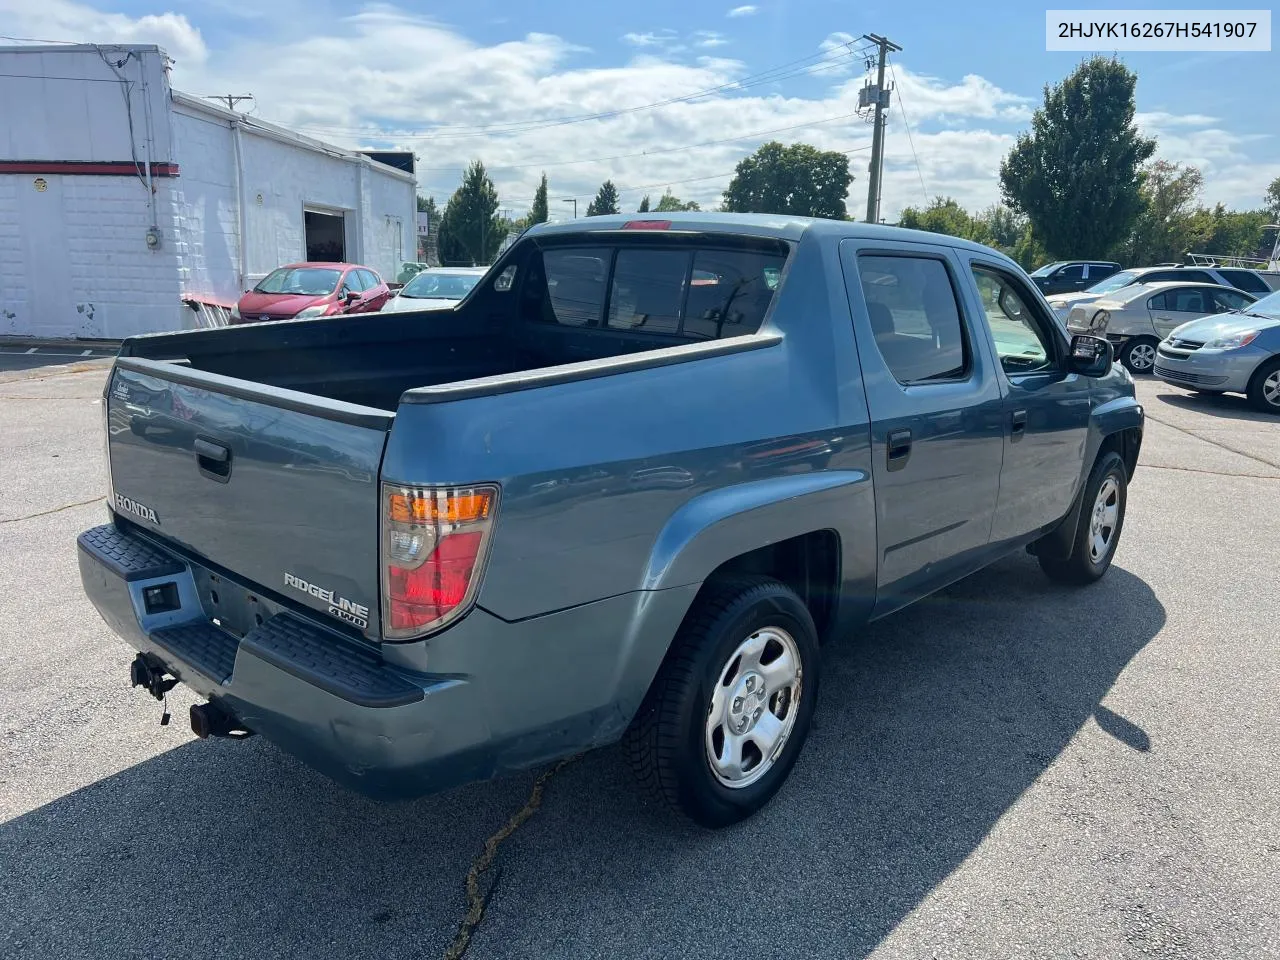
(930, 727)
(1225, 405)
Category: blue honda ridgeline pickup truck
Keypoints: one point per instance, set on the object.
(623, 491)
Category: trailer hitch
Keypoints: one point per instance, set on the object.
(149, 673)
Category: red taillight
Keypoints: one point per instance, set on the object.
(430, 592)
(647, 225)
(433, 550)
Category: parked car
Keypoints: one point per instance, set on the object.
(1136, 318)
(1250, 281)
(436, 288)
(302, 290)
(383, 560)
(1233, 353)
(1065, 276)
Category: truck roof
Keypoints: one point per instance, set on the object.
(781, 226)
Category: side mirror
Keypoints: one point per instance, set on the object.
(351, 296)
(1090, 356)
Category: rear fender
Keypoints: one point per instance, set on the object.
(718, 526)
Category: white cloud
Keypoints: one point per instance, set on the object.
(67, 20)
(653, 38)
(709, 39)
(744, 11)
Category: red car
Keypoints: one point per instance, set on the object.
(303, 290)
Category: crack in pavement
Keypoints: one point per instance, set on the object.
(1212, 473)
(478, 901)
(45, 513)
(1213, 443)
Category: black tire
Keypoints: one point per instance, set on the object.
(666, 744)
(1258, 387)
(1081, 567)
(1140, 364)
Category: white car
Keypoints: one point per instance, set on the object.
(1136, 318)
(1249, 281)
(436, 288)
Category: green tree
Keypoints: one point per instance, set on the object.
(669, 203)
(800, 180)
(1077, 175)
(945, 215)
(1003, 225)
(644, 205)
(1162, 231)
(1272, 200)
(470, 229)
(606, 200)
(538, 212)
(1229, 233)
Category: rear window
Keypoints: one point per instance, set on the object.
(1245, 280)
(690, 292)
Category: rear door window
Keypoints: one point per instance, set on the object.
(1194, 276)
(915, 317)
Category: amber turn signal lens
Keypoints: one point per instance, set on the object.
(461, 508)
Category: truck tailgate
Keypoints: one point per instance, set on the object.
(254, 481)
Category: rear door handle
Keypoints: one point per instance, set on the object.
(1018, 425)
(897, 448)
(213, 459)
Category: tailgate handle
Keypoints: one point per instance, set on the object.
(213, 459)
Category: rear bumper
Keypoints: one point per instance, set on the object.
(385, 729)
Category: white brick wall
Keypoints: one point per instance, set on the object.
(205, 205)
(74, 260)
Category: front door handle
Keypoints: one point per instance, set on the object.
(1018, 425)
(897, 448)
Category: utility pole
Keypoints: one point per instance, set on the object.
(881, 97)
(230, 98)
(574, 201)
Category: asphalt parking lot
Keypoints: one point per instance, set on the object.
(1010, 769)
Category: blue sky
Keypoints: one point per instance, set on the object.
(488, 79)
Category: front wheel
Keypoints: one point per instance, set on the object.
(1139, 354)
(1101, 520)
(729, 711)
(1264, 387)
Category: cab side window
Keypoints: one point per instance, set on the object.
(1023, 342)
(915, 317)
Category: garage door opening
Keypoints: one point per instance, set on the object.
(325, 236)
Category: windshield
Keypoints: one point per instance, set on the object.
(440, 286)
(1048, 268)
(1268, 306)
(308, 281)
(1114, 282)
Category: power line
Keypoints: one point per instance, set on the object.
(71, 43)
(650, 153)
(772, 75)
(907, 123)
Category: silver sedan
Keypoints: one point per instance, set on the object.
(1136, 318)
(1232, 353)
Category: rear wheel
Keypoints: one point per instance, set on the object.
(729, 711)
(1264, 387)
(1101, 520)
(1139, 354)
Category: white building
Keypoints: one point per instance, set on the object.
(127, 207)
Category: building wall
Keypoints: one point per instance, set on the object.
(208, 236)
(82, 118)
(74, 258)
(74, 261)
